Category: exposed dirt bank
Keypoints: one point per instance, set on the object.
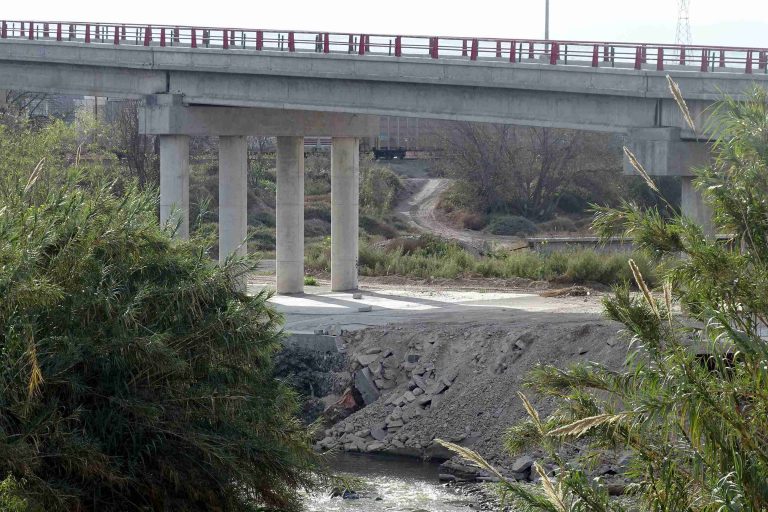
(457, 380)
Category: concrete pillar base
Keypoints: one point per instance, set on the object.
(289, 212)
(345, 193)
(693, 206)
(233, 197)
(174, 183)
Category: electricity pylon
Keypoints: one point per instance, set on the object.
(683, 35)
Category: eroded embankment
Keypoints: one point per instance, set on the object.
(458, 381)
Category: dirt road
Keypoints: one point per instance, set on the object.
(420, 208)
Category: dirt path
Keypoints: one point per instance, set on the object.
(420, 208)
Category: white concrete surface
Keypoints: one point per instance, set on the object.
(345, 194)
(233, 197)
(289, 213)
(174, 183)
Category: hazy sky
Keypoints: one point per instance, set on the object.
(743, 23)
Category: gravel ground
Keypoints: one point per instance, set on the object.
(457, 379)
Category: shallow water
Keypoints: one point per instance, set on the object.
(404, 485)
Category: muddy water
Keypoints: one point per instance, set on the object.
(391, 484)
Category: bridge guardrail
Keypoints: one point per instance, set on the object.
(596, 54)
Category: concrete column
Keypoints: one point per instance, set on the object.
(692, 205)
(289, 213)
(174, 183)
(233, 196)
(345, 193)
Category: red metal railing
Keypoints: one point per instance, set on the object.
(638, 56)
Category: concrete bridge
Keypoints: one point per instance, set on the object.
(233, 83)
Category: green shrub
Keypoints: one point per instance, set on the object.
(263, 218)
(310, 281)
(512, 225)
(376, 227)
(379, 189)
(262, 239)
(317, 210)
(135, 375)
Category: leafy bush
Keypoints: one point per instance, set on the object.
(134, 373)
(310, 281)
(315, 227)
(263, 217)
(376, 227)
(317, 210)
(379, 189)
(512, 225)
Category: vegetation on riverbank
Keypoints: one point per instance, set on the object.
(692, 406)
(428, 257)
(135, 373)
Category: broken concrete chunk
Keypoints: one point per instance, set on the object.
(365, 384)
(409, 396)
(438, 387)
(412, 358)
(372, 350)
(418, 391)
(378, 432)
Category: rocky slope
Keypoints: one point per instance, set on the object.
(458, 381)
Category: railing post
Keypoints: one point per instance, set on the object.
(722, 58)
(595, 56)
(31, 30)
(638, 58)
(682, 55)
(512, 52)
(224, 39)
(148, 35)
(193, 38)
(436, 46)
(162, 37)
(463, 47)
(704, 60)
(498, 49)
(326, 43)
(231, 38)
(291, 42)
(3, 31)
(117, 35)
(398, 46)
(87, 33)
(23, 32)
(351, 44)
(531, 51)
(763, 60)
(367, 44)
(475, 49)
(361, 46)
(259, 40)
(606, 57)
(122, 33)
(553, 53)
(660, 59)
(748, 70)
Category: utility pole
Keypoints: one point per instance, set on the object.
(546, 20)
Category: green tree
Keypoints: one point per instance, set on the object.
(692, 405)
(133, 373)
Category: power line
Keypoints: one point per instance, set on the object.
(683, 34)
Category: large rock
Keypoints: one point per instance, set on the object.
(365, 384)
(522, 464)
(378, 432)
(366, 359)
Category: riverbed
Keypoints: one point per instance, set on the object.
(387, 483)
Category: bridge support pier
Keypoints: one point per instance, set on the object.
(233, 197)
(174, 183)
(693, 206)
(289, 210)
(345, 193)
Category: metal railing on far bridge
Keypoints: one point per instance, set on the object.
(597, 54)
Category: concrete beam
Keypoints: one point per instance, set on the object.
(662, 152)
(289, 213)
(233, 197)
(345, 194)
(174, 183)
(166, 114)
